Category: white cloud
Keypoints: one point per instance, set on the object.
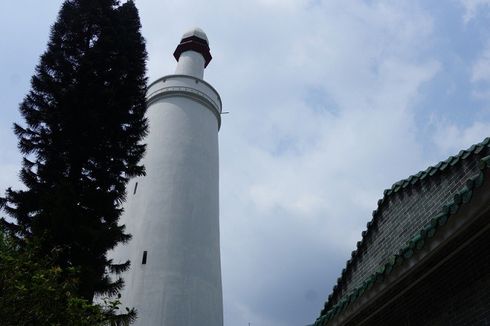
(451, 138)
(481, 68)
(480, 75)
(299, 178)
(472, 7)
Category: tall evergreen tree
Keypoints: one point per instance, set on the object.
(84, 122)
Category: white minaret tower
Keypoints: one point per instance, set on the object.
(173, 212)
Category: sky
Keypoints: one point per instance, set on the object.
(330, 103)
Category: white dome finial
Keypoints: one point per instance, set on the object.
(196, 31)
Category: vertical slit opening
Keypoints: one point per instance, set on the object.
(144, 257)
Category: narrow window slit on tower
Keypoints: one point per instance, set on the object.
(135, 188)
(144, 257)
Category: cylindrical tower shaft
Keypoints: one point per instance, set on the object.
(190, 63)
(173, 212)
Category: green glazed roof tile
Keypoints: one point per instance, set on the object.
(445, 209)
(408, 252)
(392, 260)
(406, 183)
(479, 180)
(416, 177)
(456, 159)
(431, 230)
(433, 170)
(413, 243)
(424, 175)
(438, 165)
(371, 280)
(485, 162)
(442, 168)
(442, 219)
(467, 196)
(398, 260)
(388, 268)
(468, 152)
(420, 243)
(457, 198)
(433, 222)
(453, 208)
(479, 148)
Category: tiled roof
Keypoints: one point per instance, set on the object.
(418, 241)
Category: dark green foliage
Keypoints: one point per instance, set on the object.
(35, 291)
(84, 120)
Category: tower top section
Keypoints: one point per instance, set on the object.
(197, 41)
(196, 31)
(188, 82)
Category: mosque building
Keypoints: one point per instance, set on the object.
(424, 258)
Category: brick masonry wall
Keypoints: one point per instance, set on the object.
(405, 213)
(457, 293)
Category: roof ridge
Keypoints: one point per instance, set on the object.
(439, 167)
(388, 193)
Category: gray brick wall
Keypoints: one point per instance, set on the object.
(402, 215)
(457, 293)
